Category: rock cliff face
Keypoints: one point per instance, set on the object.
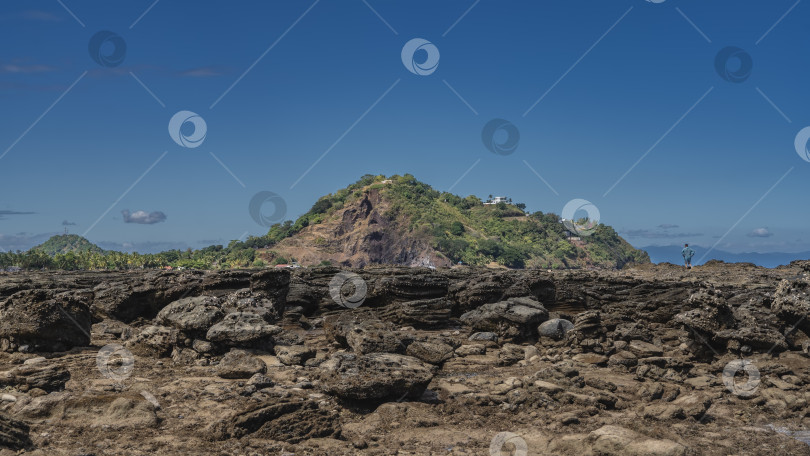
(357, 236)
(648, 361)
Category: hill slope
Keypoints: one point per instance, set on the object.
(403, 221)
(64, 243)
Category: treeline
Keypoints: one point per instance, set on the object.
(236, 255)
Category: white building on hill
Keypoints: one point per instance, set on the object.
(498, 199)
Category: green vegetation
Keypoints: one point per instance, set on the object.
(463, 229)
(65, 243)
(460, 228)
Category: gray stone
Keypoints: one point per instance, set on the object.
(294, 355)
(240, 364)
(556, 328)
(153, 341)
(374, 376)
(239, 328)
(195, 314)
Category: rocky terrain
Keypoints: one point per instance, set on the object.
(653, 360)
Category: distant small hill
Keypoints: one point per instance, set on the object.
(64, 243)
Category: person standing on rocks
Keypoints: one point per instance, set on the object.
(687, 253)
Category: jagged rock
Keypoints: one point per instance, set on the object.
(643, 349)
(588, 323)
(510, 354)
(363, 335)
(261, 381)
(760, 338)
(484, 336)
(44, 375)
(471, 349)
(423, 313)
(432, 352)
(202, 346)
(623, 358)
(154, 341)
(14, 434)
(240, 364)
(128, 298)
(290, 421)
(374, 376)
(791, 303)
(556, 328)
(492, 287)
(184, 356)
(294, 355)
(515, 318)
(688, 406)
(272, 286)
(45, 320)
(191, 315)
(242, 328)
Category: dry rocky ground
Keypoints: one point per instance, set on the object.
(655, 360)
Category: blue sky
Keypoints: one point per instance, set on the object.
(591, 86)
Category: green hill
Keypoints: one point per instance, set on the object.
(64, 243)
(399, 220)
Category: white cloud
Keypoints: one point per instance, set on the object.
(760, 232)
(143, 217)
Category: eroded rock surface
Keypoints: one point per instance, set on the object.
(648, 361)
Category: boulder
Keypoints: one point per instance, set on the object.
(294, 355)
(153, 341)
(272, 285)
(513, 319)
(44, 375)
(191, 315)
(45, 320)
(283, 420)
(374, 376)
(240, 364)
(510, 354)
(363, 333)
(242, 328)
(556, 328)
(471, 349)
(432, 352)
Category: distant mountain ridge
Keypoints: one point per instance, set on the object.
(672, 254)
